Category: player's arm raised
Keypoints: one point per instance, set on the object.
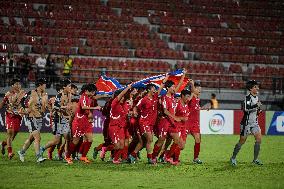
(123, 92)
(192, 88)
(180, 81)
(163, 84)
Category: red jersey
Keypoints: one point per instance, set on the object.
(84, 101)
(194, 108)
(148, 107)
(182, 110)
(118, 113)
(169, 103)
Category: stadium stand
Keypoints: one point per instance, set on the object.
(130, 39)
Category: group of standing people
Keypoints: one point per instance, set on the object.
(133, 117)
(44, 67)
(13, 68)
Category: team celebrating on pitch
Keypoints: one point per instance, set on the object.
(133, 117)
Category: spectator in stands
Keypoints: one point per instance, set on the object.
(10, 67)
(2, 71)
(214, 102)
(41, 64)
(50, 70)
(59, 65)
(25, 67)
(68, 64)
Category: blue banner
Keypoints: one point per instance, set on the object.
(274, 123)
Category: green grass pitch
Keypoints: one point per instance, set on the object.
(216, 172)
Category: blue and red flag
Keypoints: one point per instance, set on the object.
(158, 79)
(107, 85)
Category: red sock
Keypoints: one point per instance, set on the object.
(81, 149)
(177, 153)
(196, 150)
(134, 154)
(86, 149)
(172, 150)
(61, 150)
(10, 150)
(4, 143)
(156, 151)
(149, 156)
(72, 148)
(51, 149)
(117, 154)
(99, 147)
(110, 147)
(124, 154)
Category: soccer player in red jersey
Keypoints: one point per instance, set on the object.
(106, 145)
(168, 117)
(81, 125)
(193, 120)
(134, 124)
(128, 130)
(12, 101)
(180, 128)
(118, 122)
(147, 109)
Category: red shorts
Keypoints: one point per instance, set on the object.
(163, 127)
(81, 126)
(116, 133)
(146, 126)
(193, 126)
(13, 121)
